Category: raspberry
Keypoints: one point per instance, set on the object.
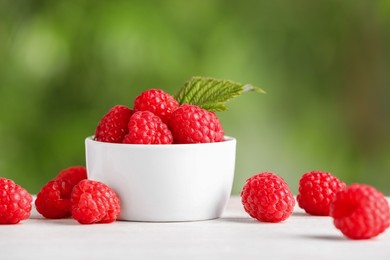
(192, 124)
(158, 102)
(267, 197)
(53, 201)
(15, 202)
(147, 128)
(73, 174)
(360, 212)
(316, 192)
(112, 128)
(94, 202)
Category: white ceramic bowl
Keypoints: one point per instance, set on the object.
(177, 182)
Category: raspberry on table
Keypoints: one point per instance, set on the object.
(53, 200)
(267, 197)
(15, 202)
(192, 124)
(158, 102)
(316, 192)
(72, 174)
(147, 128)
(94, 202)
(360, 212)
(112, 128)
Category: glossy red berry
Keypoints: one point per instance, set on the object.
(73, 174)
(192, 124)
(15, 202)
(317, 190)
(53, 200)
(158, 102)
(147, 128)
(112, 128)
(360, 212)
(94, 202)
(267, 197)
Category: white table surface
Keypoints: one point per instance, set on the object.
(234, 236)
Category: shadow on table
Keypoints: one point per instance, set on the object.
(64, 221)
(325, 237)
(240, 220)
(300, 214)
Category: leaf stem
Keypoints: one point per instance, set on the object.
(249, 87)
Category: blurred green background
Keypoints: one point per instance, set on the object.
(324, 64)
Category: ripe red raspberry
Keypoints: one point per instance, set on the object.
(112, 128)
(53, 201)
(192, 124)
(15, 202)
(72, 174)
(360, 212)
(147, 128)
(267, 197)
(94, 202)
(158, 102)
(316, 192)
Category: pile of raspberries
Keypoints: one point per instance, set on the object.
(69, 194)
(157, 118)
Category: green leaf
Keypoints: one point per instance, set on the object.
(212, 94)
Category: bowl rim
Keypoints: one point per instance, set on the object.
(227, 140)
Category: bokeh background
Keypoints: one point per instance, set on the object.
(324, 64)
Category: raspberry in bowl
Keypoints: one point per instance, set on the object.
(170, 182)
